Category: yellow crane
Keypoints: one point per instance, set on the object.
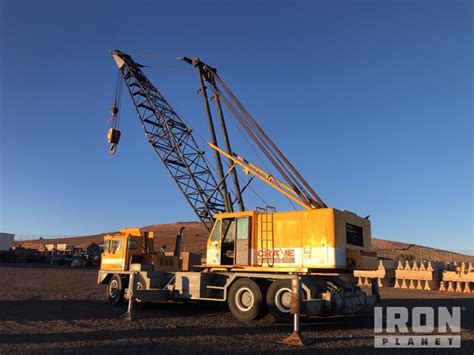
(252, 255)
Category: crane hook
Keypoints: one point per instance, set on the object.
(112, 149)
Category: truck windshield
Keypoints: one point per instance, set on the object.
(107, 246)
(116, 246)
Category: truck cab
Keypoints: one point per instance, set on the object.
(122, 248)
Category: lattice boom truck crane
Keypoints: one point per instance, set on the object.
(252, 255)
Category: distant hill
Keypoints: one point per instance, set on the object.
(393, 250)
(195, 238)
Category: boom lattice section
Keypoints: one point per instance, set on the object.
(172, 140)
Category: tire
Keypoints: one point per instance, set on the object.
(141, 285)
(115, 290)
(279, 300)
(245, 300)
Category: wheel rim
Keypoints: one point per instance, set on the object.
(283, 300)
(244, 299)
(113, 288)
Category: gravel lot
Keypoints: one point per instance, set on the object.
(61, 310)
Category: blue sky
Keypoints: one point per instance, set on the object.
(370, 100)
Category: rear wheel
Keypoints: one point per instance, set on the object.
(279, 300)
(245, 300)
(141, 285)
(115, 290)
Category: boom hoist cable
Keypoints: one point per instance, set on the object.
(113, 134)
(288, 172)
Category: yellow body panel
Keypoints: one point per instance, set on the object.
(323, 238)
(119, 248)
(294, 241)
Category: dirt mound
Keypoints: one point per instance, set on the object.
(397, 250)
(195, 238)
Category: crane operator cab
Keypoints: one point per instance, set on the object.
(324, 238)
(230, 239)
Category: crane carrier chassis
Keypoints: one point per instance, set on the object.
(248, 294)
(132, 270)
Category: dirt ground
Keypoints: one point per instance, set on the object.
(61, 310)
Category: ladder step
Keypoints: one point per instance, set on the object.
(216, 287)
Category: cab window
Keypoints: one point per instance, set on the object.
(107, 246)
(228, 230)
(243, 228)
(216, 231)
(354, 235)
(132, 244)
(116, 246)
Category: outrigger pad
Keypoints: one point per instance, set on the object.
(294, 339)
(127, 315)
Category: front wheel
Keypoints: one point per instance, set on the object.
(115, 290)
(245, 300)
(279, 300)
